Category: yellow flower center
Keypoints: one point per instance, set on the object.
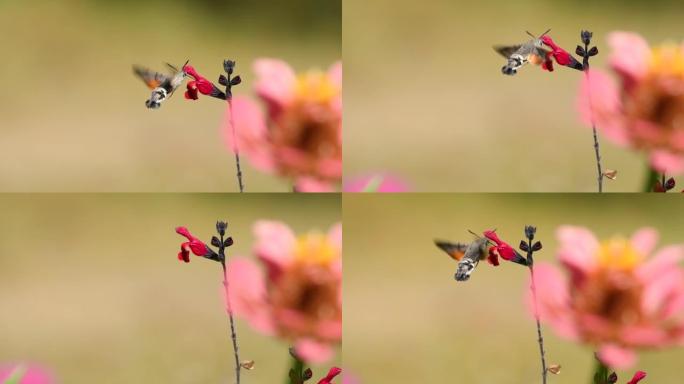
(316, 87)
(667, 59)
(315, 248)
(618, 253)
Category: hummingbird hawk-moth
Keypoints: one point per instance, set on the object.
(162, 85)
(533, 51)
(467, 255)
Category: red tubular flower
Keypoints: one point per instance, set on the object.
(637, 377)
(561, 56)
(502, 249)
(193, 245)
(334, 371)
(200, 84)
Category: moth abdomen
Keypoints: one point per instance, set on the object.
(464, 269)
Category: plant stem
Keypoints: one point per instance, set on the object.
(597, 149)
(233, 334)
(540, 338)
(235, 146)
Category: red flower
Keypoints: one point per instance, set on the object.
(193, 245)
(501, 249)
(561, 56)
(334, 371)
(637, 377)
(200, 84)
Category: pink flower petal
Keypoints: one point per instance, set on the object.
(275, 81)
(312, 185)
(335, 73)
(664, 260)
(335, 235)
(668, 162)
(630, 55)
(644, 335)
(251, 134)
(577, 249)
(553, 300)
(616, 357)
(32, 373)
(599, 102)
(275, 242)
(247, 292)
(313, 351)
(645, 240)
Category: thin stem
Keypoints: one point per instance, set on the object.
(540, 338)
(235, 146)
(298, 368)
(597, 148)
(233, 334)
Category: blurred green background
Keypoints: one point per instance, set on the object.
(406, 320)
(425, 97)
(73, 118)
(91, 288)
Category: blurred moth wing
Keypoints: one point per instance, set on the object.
(162, 85)
(467, 255)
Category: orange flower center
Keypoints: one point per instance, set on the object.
(618, 253)
(315, 248)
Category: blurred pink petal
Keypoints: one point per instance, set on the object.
(630, 54)
(314, 352)
(348, 378)
(645, 240)
(274, 240)
(553, 300)
(32, 373)
(335, 235)
(275, 80)
(311, 185)
(385, 183)
(577, 248)
(664, 260)
(665, 161)
(250, 133)
(247, 290)
(617, 357)
(599, 100)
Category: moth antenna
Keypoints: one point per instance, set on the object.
(474, 234)
(544, 34)
(533, 36)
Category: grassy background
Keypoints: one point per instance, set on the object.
(90, 285)
(425, 97)
(72, 116)
(406, 319)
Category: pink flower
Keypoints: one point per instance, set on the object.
(298, 296)
(615, 298)
(375, 183)
(646, 110)
(200, 84)
(299, 136)
(334, 371)
(29, 373)
(193, 245)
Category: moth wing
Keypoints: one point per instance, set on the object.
(151, 78)
(454, 250)
(506, 50)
